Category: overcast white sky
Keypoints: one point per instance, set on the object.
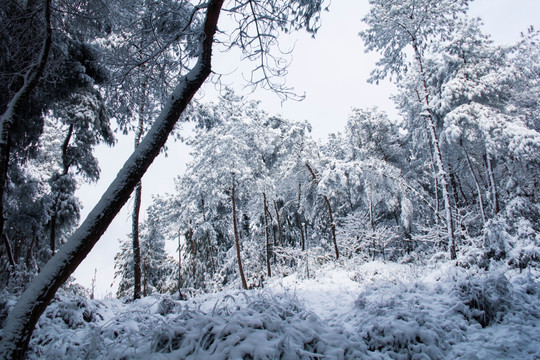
(331, 69)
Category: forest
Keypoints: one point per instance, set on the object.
(413, 235)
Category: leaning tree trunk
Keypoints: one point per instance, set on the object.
(21, 321)
(237, 240)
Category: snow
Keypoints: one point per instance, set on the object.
(348, 310)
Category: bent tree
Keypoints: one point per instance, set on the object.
(257, 26)
(24, 316)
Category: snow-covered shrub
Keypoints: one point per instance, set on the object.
(73, 312)
(486, 298)
(18, 278)
(496, 238)
(471, 256)
(168, 306)
(262, 328)
(525, 246)
(407, 321)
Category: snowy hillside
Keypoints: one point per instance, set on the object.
(350, 311)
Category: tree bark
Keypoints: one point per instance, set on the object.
(24, 316)
(372, 224)
(9, 250)
(180, 296)
(135, 242)
(298, 219)
(332, 226)
(135, 216)
(267, 232)
(278, 224)
(493, 186)
(193, 255)
(236, 238)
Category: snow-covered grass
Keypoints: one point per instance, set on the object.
(373, 310)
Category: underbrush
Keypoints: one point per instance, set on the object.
(395, 311)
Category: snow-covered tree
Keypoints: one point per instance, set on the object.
(156, 267)
(290, 16)
(395, 27)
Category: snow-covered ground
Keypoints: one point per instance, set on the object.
(373, 310)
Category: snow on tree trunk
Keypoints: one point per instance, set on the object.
(332, 226)
(444, 186)
(21, 321)
(493, 186)
(278, 224)
(236, 238)
(267, 233)
(441, 173)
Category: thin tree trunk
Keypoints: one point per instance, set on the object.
(30, 253)
(9, 250)
(478, 188)
(145, 280)
(267, 232)
(22, 319)
(453, 186)
(332, 224)
(302, 236)
(136, 243)
(299, 221)
(135, 216)
(274, 243)
(493, 186)
(203, 209)
(192, 243)
(236, 239)
(444, 186)
(278, 224)
(306, 237)
(436, 186)
(372, 224)
(179, 261)
(442, 174)
(180, 296)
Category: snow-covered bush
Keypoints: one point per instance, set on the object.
(486, 298)
(261, 328)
